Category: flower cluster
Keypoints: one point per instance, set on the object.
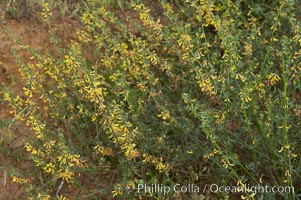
(152, 89)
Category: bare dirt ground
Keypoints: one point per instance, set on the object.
(14, 34)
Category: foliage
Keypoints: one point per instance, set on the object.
(26, 9)
(185, 92)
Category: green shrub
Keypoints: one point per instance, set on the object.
(200, 92)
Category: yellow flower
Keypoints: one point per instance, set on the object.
(27, 92)
(210, 155)
(117, 191)
(46, 13)
(226, 163)
(207, 86)
(66, 175)
(164, 114)
(28, 146)
(49, 168)
(61, 197)
(48, 145)
(160, 166)
(240, 77)
(190, 152)
(273, 78)
(248, 196)
(88, 18)
(43, 197)
(248, 49)
(16, 179)
(6, 96)
(245, 97)
(103, 151)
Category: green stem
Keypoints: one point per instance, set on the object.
(285, 139)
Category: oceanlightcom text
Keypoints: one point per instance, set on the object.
(212, 188)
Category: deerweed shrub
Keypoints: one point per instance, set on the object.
(195, 92)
